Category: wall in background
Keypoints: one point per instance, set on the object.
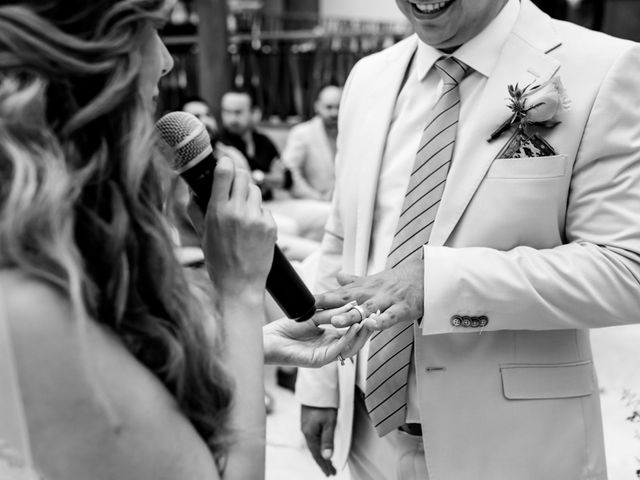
(379, 10)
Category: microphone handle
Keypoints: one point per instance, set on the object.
(283, 282)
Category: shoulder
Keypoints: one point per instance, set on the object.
(34, 308)
(88, 401)
(303, 129)
(598, 50)
(381, 58)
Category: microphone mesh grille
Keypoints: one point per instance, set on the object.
(185, 135)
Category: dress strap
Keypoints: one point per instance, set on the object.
(13, 422)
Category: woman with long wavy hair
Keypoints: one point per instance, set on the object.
(111, 364)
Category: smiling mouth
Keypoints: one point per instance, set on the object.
(431, 8)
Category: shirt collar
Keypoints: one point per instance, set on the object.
(482, 51)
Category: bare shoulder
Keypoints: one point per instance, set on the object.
(93, 410)
(29, 299)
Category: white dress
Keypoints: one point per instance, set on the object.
(16, 460)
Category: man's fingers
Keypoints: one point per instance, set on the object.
(314, 445)
(389, 317)
(333, 299)
(346, 278)
(222, 181)
(326, 440)
(357, 315)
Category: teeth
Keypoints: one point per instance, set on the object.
(431, 7)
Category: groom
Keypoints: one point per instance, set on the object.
(489, 261)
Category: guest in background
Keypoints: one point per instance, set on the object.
(238, 130)
(311, 148)
(300, 222)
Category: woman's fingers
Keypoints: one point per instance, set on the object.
(240, 188)
(323, 317)
(222, 181)
(350, 343)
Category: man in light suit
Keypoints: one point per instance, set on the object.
(524, 253)
(311, 148)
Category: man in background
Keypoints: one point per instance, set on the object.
(311, 148)
(302, 218)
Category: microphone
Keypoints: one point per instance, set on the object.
(194, 160)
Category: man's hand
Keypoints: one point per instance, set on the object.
(318, 426)
(398, 294)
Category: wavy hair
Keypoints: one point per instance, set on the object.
(81, 190)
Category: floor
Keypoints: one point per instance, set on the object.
(617, 356)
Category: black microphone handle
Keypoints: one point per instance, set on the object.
(283, 282)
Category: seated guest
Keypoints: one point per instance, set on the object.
(112, 364)
(296, 219)
(311, 148)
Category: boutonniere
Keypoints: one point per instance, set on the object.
(533, 106)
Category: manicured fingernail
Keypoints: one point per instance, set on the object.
(326, 453)
(353, 303)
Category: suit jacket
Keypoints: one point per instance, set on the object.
(309, 156)
(545, 248)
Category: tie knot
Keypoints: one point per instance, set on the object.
(452, 70)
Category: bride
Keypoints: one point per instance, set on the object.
(112, 363)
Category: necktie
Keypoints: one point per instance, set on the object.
(390, 350)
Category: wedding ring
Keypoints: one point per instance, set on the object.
(360, 311)
(341, 358)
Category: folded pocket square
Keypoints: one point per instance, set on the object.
(521, 145)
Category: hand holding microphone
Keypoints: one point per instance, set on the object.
(242, 232)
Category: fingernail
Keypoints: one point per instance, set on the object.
(353, 303)
(326, 453)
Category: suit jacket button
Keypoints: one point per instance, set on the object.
(484, 321)
(456, 320)
(466, 322)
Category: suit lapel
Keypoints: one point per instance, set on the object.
(522, 60)
(383, 95)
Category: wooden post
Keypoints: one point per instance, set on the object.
(214, 65)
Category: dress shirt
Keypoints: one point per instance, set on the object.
(417, 98)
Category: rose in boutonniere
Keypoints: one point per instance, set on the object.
(537, 105)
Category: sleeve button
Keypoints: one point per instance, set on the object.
(456, 320)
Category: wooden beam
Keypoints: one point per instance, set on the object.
(214, 66)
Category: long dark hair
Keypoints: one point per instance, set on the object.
(81, 190)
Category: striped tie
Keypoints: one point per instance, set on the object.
(390, 350)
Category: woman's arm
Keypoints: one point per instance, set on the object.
(238, 242)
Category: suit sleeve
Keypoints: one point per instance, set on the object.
(592, 280)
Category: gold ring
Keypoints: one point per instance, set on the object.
(341, 358)
(360, 311)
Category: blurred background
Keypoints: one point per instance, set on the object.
(284, 50)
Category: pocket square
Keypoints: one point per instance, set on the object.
(521, 145)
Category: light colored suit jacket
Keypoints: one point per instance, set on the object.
(309, 157)
(545, 248)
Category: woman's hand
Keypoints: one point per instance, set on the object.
(305, 344)
(239, 236)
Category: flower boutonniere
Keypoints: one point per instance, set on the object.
(533, 106)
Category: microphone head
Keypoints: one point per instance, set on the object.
(186, 137)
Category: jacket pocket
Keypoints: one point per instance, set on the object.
(565, 380)
(528, 167)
